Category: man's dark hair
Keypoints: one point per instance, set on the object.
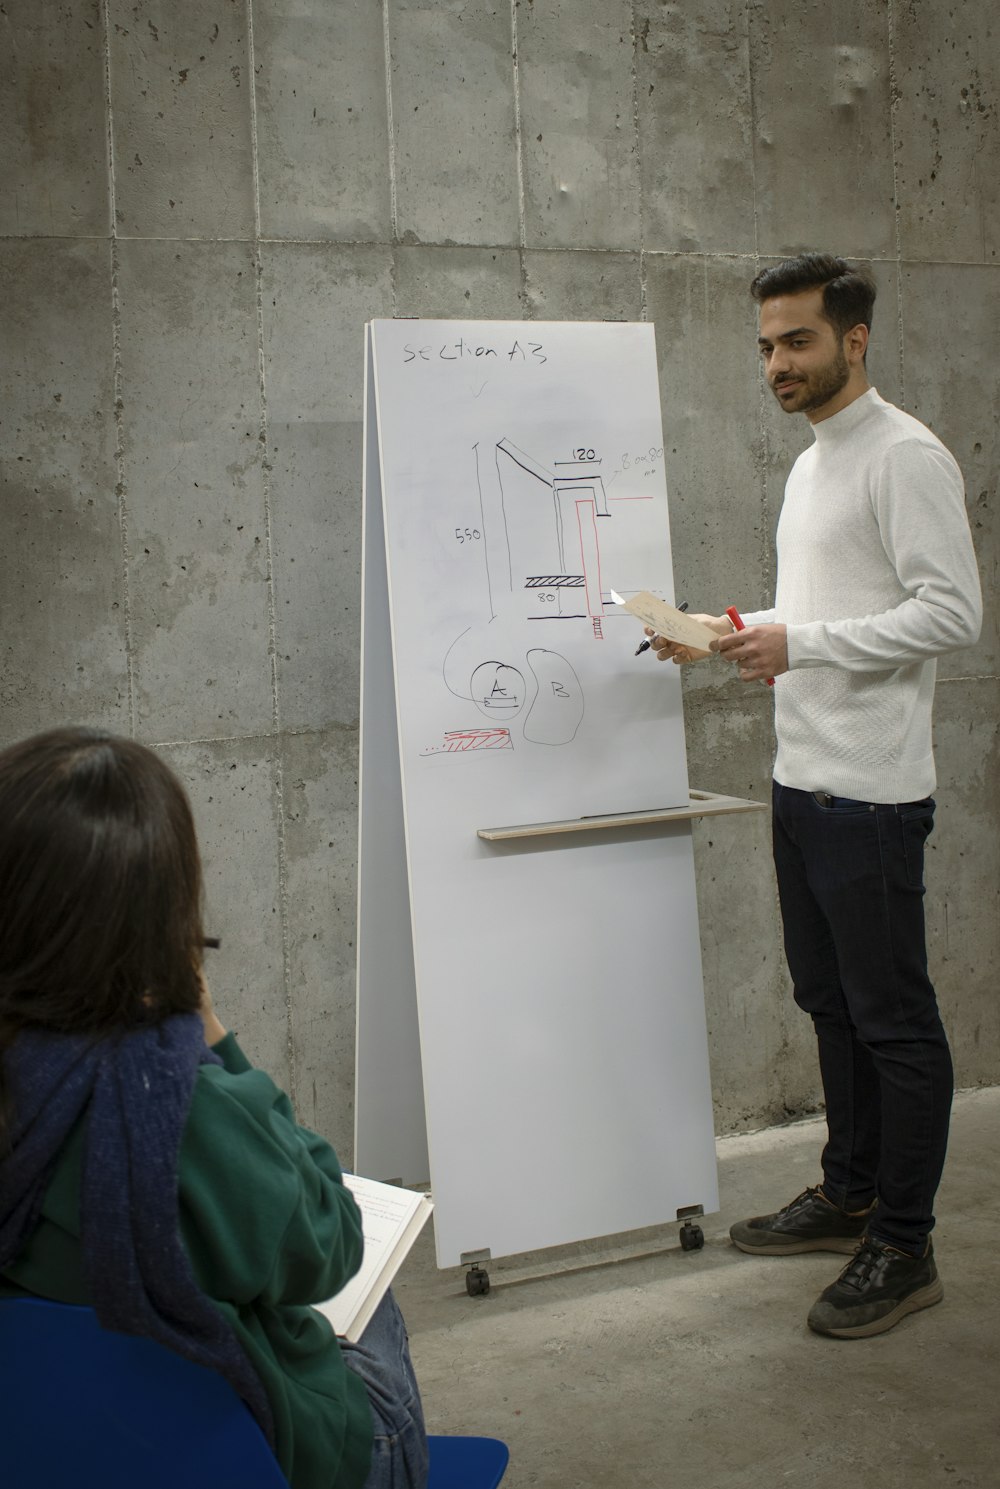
(100, 886)
(848, 291)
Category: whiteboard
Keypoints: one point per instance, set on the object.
(523, 479)
(518, 474)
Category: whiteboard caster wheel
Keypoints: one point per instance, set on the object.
(692, 1237)
(477, 1282)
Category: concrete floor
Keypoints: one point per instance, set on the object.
(639, 1366)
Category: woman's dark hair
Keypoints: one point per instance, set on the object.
(848, 292)
(100, 886)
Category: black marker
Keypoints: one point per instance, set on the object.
(644, 645)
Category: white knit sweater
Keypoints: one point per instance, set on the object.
(876, 577)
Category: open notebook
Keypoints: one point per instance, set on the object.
(392, 1219)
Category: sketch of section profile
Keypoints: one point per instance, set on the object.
(556, 713)
(497, 690)
(464, 741)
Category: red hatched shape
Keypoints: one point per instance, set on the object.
(477, 739)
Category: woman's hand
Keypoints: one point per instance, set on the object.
(214, 1030)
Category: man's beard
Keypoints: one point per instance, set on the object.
(817, 387)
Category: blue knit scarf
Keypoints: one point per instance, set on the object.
(134, 1089)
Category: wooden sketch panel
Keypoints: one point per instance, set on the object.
(561, 1025)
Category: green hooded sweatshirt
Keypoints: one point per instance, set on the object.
(270, 1228)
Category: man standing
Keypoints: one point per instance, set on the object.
(876, 578)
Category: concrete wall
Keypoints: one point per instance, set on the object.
(202, 201)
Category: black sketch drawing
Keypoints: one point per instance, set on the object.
(557, 710)
(540, 530)
(567, 583)
(497, 690)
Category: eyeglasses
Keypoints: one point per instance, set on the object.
(211, 943)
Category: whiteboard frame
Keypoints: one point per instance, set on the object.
(390, 1134)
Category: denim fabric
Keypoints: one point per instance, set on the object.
(850, 881)
(381, 1358)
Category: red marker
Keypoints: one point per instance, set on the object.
(739, 625)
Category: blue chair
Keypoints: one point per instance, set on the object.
(466, 1462)
(83, 1408)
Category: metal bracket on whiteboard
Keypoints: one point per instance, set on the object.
(700, 804)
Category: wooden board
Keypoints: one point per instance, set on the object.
(701, 804)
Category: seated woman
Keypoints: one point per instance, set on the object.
(146, 1168)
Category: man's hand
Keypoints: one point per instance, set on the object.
(674, 652)
(759, 652)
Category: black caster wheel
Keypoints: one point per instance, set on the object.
(692, 1237)
(477, 1282)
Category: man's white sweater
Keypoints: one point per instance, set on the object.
(876, 578)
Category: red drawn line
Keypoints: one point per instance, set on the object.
(457, 740)
(588, 508)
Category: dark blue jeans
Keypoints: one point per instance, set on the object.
(381, 1357)
(851, 885)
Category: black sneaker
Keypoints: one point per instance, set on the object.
(809, 1223)
(877, 1288)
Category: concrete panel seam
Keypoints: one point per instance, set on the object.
(518, 150)
(121, 493)
(527, 305)
(390, 128)
(272, 643)
(582, 248)
(258, 738)
(680, 254)
(121, 490)
(643, 298)
(294, 241)
(956, 263)
(719, 698)
(752, 100)
(57, 237)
